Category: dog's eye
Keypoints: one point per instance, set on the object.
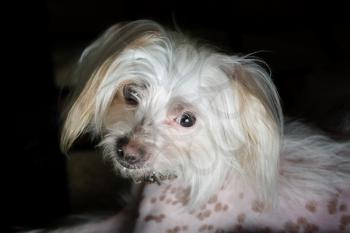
(130, 95)
(187, 119)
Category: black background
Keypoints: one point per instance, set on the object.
(306, 45)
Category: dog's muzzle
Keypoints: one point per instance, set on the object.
(133, 155)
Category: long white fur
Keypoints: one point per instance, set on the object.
(239, 129)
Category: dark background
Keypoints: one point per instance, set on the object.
(306, 45)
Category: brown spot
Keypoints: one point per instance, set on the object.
(219, 230)
(174, 202)
(156, 218)
(174, 230)
(200, 216)
(291, 227)
(258, 206)
(241, 195)
(210, 227)
(213, 199)
(206, 213)
(302, 221)
(177, 229)
(344, 222)
(148, 218)
(161, 198)
(192, 212)
(185, 228)
(310, 228)
(238, 228)
(241, 218)
(203, 207)
(153, 200)
(203, 228)
(225, 208)
(182, 195)
(170, 231)
(342, 207)
(311, 206)
(218, 207)
(332, 206)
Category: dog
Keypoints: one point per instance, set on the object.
(202, 135)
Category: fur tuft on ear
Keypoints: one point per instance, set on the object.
(94, 65)
(261, 124)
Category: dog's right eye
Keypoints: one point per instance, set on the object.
(187, 119)
(130, 95)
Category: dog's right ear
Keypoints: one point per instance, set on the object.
(258, 123)
(93, 67)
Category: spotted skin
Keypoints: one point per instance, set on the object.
(239, 211)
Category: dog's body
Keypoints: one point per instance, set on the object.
(207, 130)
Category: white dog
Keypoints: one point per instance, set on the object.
(203, 132)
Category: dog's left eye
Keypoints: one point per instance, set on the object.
(187, 119)
(130, 95)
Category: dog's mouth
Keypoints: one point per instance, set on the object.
(154, 177)
(127, 165)
(143, 173)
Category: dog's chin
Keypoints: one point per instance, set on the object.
(143, 174)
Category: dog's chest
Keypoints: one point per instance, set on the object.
(162, 210)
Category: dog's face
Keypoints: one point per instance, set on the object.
(166, 108)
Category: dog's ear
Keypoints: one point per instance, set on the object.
(259, 118)
(94, 66)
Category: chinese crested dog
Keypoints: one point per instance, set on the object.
(203, 133)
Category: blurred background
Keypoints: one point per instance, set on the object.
(306, 45)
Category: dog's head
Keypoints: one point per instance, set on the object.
(165, 107)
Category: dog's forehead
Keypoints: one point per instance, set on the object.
(179, 72)
(174, 73)
(190, 86)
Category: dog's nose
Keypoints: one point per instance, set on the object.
(129, 151)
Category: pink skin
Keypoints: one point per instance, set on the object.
(161, 210)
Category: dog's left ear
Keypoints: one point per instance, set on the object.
(259, 117)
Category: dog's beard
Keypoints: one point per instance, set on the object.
(143, 174)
